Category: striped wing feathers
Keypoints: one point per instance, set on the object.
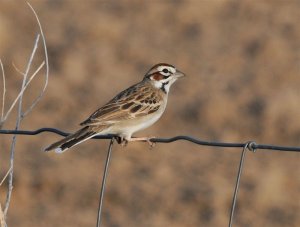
(136, 101)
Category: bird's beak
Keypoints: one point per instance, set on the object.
(179, 74)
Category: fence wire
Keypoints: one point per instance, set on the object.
(250, 146)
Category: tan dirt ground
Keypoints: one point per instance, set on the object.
(243, 77)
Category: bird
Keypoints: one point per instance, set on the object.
(132, 110)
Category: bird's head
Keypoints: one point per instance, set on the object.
(162, 76)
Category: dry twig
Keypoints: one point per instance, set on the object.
(4, 90)
(3, 179)
(19, 99)
(21, 94)
(47, 64)
(2, 218)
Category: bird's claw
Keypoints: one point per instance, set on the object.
(120, 140)
(152, 144)
(124, 143)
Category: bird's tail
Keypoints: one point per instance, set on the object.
(71, 140)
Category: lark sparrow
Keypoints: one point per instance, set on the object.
(132, 110)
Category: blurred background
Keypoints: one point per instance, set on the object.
(243, 77)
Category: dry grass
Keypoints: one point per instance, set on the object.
(21, 113)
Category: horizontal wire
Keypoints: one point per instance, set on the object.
(252, 145)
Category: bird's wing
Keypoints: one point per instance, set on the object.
(136, 101)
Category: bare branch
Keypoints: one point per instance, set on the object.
(4, 90)
(3, 179)
(24, 81)
(21, 92)
(47, 65)
(25, 84)
(21, 114)
(2, 218)
(13, 144)
(17, 69)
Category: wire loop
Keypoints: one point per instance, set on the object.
(251, 146)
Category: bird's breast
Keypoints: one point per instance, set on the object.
(128, 127)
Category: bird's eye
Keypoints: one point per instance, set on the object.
(165, 70)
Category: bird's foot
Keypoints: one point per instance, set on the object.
(122, 141)
(143, 139)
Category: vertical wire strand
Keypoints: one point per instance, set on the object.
(104, 182)
(237, 185)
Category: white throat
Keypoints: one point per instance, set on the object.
(164, 84)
